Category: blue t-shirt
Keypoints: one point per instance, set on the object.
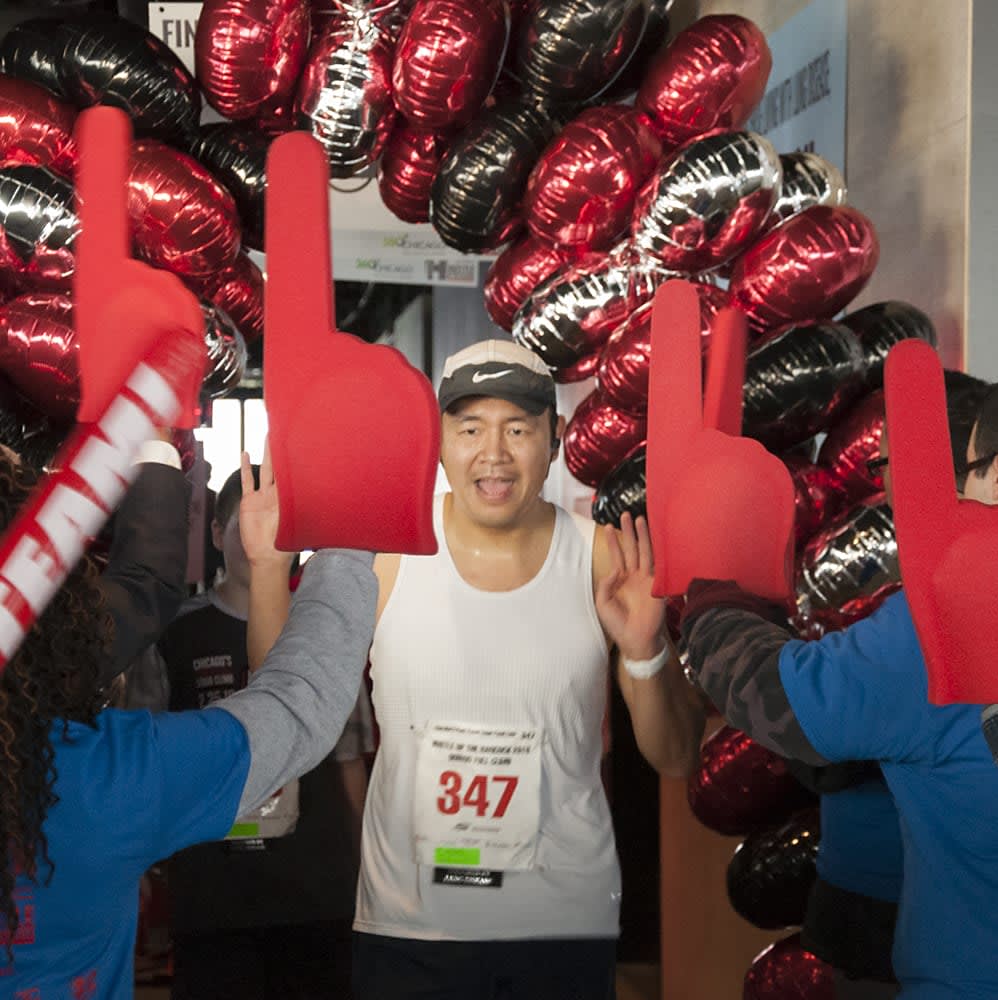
(860, 849)
(861, 694)
(132, 791)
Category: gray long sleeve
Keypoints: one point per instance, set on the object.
(296, 705)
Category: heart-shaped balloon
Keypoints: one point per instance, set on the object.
(516, 272)
(880, 326)
(582, 190)
(786, 970)
(850, 567)
(26, 430)
(626, 357)
(653, 41)
(238, 291)
(250, 52)
(808, 179)
(809, 268)
(707, 202)
(447, 59)
(623, 489)
(38, 352)
(36, 127)
(772, 871)
(799, 382)
(97, 58)
(410, 161)
(818, 497)
(851, 442)
(572, 50)
(598, 438)
(237, 155)
(573, 313)
(712, 75)
(584, 368)
(182, 219)
(225, 352)
(475, 198)
(38, 228)
(741, 786)
(345, 94)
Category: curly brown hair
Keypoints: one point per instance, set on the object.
(53, 678)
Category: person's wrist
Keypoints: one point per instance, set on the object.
(647, 662)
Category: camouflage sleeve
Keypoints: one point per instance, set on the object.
(734, 656)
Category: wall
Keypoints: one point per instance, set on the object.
(907, 145)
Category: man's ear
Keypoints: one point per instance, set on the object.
(993, 479)
(559, 433)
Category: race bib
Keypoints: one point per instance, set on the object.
(477, 797)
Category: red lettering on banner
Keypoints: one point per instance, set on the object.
(155, 392)
(105, 466)
(68, 521)
(36, 572)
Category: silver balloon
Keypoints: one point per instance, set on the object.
(225, 349)
(573, 313)
(345, 93)
(808, 179)
(850, 567)
(708, 201)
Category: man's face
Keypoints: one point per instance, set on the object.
(496, 456)
(981, 484)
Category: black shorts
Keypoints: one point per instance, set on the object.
(852, 933)
(387, 968)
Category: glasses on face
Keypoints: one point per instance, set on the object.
(981, 463)
(874, 465)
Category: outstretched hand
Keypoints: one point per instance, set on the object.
(720, 506)
(259, 512)
(631, 616)
(947, 547)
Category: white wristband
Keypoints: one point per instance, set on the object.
(643, 669)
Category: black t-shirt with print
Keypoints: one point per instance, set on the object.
(309, 875)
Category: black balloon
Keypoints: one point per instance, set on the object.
(38, 227)
(475, 198)
(572, 50)
(103, 59)
(26, 430)
(369, 310)
(237, 155)
(623, 490)
(772, 871)
(654, 39)
(880, 326)
(797, 383)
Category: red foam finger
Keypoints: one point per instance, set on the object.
(947, 548)
(722, 402)
(354, 428)
(112, 342)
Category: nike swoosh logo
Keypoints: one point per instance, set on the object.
(482, 376)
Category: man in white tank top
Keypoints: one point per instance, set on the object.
(489, 869)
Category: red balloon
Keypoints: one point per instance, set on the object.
(851, 442)
(598, 438)
(238, 291)
(447, 59)
(183, 220)
(584, 368)
(38, 352)
(516, 272)
(787, 971)
(36, 127)
(345, 94)
(818, 497)
(626, 357)
(581, 192)
(807, 269)
(712, 76)
(740, 785)
(248, 52)
(406, 171)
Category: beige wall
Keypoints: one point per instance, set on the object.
(906, 145)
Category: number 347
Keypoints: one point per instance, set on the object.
(476, 796)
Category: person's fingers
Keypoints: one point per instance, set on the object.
(266, 465)
(628, 543)
(246, 475)
(646, 558)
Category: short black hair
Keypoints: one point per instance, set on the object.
(986, 428)
(964, 395)
(227, 501)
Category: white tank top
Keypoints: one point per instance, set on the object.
(534, 657)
